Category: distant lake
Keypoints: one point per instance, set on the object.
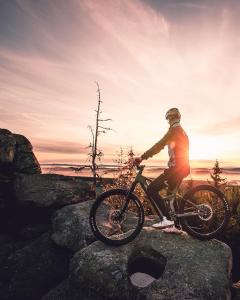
(232, 174)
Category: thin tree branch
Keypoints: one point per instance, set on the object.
(107, 128)
(103, 120)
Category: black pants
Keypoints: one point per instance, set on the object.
(173, 176)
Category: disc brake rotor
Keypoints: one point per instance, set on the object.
(114, 217)
(205, 212)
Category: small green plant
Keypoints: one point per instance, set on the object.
(218, 180)
(125, 175)
(125, 172)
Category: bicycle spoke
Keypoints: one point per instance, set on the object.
(110, 220)
(210, 207)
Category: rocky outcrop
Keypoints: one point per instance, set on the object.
(6, 191)
(45, 190)
(7, 148)
(236, 294)
(181, 268)
(65, 291)
(70, 226)
(16, 154)
(24, 159)
(30, 262)
(29, 272)
(71, 229)
(40, 234)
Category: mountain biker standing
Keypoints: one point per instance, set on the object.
(178, 164)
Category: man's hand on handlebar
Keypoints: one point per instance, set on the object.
(137, 161)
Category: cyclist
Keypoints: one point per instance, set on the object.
(178, 164)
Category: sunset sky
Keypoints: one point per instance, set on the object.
(147, 55)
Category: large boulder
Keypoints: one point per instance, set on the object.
(29, 272)
(16, 154)
(9, 244)
(7, 148)
(22, 143)
(6, 191)
(45, 190)
(180, 267)
(64, 291)
(235, 294)
(71, 227)
(26, 162)
(24, 159)
(7, 151)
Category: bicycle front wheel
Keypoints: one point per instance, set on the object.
(107, 222)
(211, 211)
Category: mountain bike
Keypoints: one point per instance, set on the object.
(117, 215)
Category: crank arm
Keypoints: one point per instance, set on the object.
(195, 227)
(190, 214)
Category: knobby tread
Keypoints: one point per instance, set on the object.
(92, 219)
(226, 207)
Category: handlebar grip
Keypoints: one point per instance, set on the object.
(140, 167)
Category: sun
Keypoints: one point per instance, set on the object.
(205, 148)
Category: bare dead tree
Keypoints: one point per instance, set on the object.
(95, 153)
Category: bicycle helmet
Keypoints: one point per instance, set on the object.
(173, 113)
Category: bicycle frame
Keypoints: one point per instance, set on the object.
(142, 180)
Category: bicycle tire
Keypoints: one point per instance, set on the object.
(93, 224)
(184, 220)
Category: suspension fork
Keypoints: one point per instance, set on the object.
(130, 191)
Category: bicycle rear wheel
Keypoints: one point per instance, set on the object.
(211, 208)
(107, 224)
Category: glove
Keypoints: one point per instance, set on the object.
(137, 161)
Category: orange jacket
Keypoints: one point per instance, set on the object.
(178, 146)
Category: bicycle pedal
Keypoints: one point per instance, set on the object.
(178, 226)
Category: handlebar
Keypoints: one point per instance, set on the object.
(140, 167)
(137, 166)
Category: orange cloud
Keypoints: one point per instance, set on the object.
(221, 128)
(60, 147)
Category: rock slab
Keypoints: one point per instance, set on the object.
(71, 228)
(45, 190)
(190, 269)
(29, 272)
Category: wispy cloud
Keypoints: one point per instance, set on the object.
(190, 5)
(221, 128)
(60, 147)
(147, 56)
